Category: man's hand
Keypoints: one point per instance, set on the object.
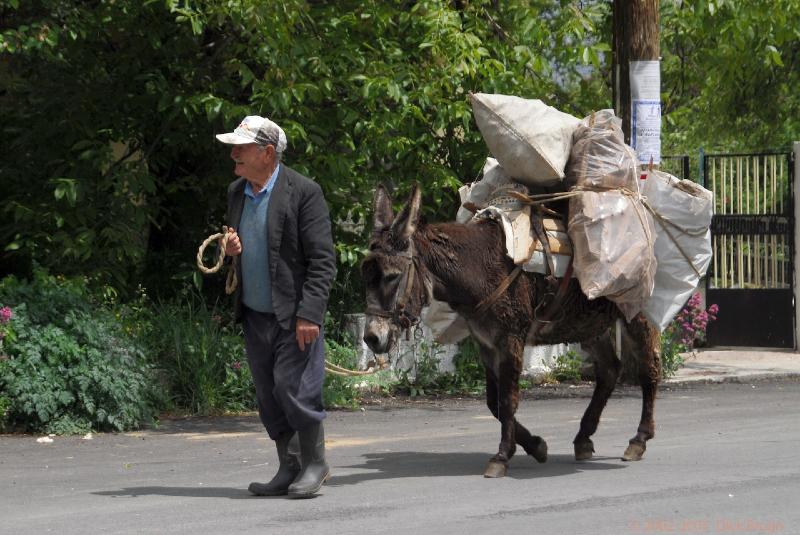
(307, 332)
(234, 246)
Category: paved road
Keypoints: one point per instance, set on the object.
(724, 461)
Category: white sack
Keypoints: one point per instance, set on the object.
(479, 193)
(446, 326)
(689, 207)
(530, 139)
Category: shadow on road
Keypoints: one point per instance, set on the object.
(192, 492)
(425, 464)
(246, 423)
(398, 465)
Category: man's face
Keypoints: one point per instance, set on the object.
(251, 162)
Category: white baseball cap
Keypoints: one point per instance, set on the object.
(255, 129)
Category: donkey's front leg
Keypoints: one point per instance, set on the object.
(509, 368)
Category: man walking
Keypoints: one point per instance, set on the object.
(283, 234)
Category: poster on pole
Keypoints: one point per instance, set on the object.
(646, 110)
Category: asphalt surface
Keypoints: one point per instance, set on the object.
(723, 461)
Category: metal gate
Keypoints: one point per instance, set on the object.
(677, 166)
(752, 233)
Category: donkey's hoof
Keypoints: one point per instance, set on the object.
(496, 469)
(584, 450)
(539, 452)
(634, 452)
(536, 447)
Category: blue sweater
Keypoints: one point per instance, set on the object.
(256, 283)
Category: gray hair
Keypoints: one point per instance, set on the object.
(278, 155)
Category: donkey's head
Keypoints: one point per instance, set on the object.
(393, 273)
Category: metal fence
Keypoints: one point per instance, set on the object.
(677, 166)
(751, 234)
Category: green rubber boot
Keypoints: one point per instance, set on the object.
(315, 469)
(288, 447)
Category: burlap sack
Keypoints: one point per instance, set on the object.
(530, 139)
(683, 224)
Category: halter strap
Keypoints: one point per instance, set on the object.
(397, 312)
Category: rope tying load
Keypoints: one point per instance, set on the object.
(231, 282)
(535, 200)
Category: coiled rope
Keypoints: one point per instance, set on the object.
(231, 282)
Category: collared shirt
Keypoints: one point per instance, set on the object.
(256, 283)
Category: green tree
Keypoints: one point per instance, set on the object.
(730, 73)
(110, 108)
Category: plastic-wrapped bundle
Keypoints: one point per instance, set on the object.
(612, 233)
(600, 158)
(683, 242)
(530, 139)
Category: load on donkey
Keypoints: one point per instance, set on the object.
(508, 300)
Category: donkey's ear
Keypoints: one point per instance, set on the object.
(406, 222)
(382, 214)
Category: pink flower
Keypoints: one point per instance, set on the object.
(713, 309)
(5, 315)
(236, 365)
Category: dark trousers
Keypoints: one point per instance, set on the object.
(288, 381)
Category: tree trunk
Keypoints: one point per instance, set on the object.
(635, 38)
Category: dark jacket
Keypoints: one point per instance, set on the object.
(302, 262)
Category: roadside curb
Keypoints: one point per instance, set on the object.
(720, 379)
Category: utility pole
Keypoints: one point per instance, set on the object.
(636, 80)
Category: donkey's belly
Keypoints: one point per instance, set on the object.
(577, 319)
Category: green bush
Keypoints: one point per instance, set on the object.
(5, 405)
(69, 367)
(685, 332)
(424, 378)
(469, 377)
(671, 349)
(340, 391)
(567, 367)
(199, 354)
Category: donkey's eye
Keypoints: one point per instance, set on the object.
(390, 278)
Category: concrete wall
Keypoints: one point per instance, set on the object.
(537, 361)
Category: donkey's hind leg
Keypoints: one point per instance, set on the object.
(606, 371)
(646, 346)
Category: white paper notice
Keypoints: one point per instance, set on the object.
(646, 110)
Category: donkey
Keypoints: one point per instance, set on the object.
(409, 261)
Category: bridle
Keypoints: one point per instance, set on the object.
(398, 312)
